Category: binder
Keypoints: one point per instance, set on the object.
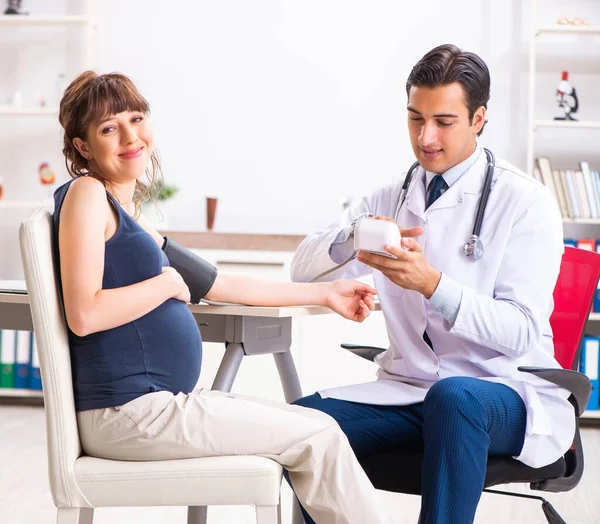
(7, 358)
(35, 380)
(22, 352)
(589, 244)
(589, 366)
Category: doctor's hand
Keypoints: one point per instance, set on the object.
(351, 299)
(404, 233)
(409, 270)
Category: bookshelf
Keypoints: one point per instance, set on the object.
(20, 392)
(591, 415)
(28, 397)
(562, 124)
(588, 221)
(564, 185)
(48, 44)
(65, 42)
(567, 30)
(33, 20)
(537, 34)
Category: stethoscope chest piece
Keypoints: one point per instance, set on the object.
(473, 248)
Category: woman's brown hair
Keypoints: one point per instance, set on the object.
(89, 99)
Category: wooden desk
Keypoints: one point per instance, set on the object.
(245, 331)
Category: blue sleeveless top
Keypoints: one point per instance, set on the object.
(161, 351)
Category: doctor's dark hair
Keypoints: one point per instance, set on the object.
(447, 64)
(88, 100)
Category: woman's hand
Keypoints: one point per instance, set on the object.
(351, 299)
(179, 287)
(409, 269)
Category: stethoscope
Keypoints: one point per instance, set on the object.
(474, 246)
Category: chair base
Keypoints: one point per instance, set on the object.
(552, 516)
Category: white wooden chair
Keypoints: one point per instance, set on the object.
(80, 483)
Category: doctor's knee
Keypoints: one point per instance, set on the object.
(450, 396)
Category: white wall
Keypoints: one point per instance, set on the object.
(282, 107)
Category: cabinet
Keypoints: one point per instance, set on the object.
(552, 49)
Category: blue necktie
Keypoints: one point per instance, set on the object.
(436, 187)
(427, 339)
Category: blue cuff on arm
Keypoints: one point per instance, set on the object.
(343, 246)
(446, 298)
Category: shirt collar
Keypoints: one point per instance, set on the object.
(454, 173)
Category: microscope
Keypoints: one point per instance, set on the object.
(14, 8)
(566, 98)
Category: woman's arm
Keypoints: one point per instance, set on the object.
(84, 219)
(349, 298)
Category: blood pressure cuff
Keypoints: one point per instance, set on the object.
(197, 273)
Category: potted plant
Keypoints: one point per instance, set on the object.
(153, 209)
(166, 191)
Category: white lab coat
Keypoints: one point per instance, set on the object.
(503, 319)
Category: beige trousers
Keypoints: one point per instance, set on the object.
(324, 472)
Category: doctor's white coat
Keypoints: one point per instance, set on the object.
(503, 319)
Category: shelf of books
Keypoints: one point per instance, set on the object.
(19, 366)
(577, 191)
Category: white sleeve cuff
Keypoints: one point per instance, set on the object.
(343, 246)
(446, 298)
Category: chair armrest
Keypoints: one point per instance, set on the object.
(366, 352)
(577, 383)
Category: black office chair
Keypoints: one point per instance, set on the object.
(573, 297)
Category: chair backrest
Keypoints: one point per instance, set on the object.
(50, 330)
(573, 299)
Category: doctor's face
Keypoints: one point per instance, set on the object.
(441, 133)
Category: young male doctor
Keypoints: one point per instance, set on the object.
(458, 327)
